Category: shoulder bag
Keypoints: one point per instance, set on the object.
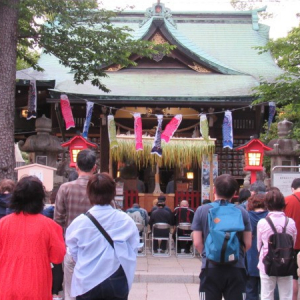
(101, 229)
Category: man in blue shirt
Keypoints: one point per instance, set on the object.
(217, 281)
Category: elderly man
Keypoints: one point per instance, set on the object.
(183, 214)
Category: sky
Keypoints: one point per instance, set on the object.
(284, 11)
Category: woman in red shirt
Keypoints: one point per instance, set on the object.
(29, 243)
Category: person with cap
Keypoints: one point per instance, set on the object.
(161, 199)
(160, 215)
(292, 208)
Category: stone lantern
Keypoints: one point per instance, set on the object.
(285, 151)
(43, 146)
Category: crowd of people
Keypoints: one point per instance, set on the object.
(83, 245)
(250, 277)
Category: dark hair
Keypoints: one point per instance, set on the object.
(6, 185)
(273, 188)
(101, 189)
(73, 175)
(243, 195)
(226, 186)
(86, 160)
(205, 201)
(275, 200)
(295, 183)
(256, 201)
(258, 187)
(28, 196)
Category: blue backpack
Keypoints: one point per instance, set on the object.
(222, 245)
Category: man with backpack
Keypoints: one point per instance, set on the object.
(222, 234)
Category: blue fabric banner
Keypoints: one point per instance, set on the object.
(89, 112)
(227, 130)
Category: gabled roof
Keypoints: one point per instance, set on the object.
(184, 44)
(254, 143)
(77, 140)
(220, 41)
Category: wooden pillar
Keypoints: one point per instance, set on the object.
(104, 142)
(211, 177)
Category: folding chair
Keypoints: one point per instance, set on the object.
(157, 236)
(143, 236)
(185, 238)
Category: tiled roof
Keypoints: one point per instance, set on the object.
(223, 40)
(157, 83)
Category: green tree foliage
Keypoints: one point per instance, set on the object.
(81, 35)
(251, 5)
(285, 90)
(78, 32)
(32, 58)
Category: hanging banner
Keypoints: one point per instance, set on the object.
(156, 147)
(227, 130)
(88, 117)
(66, 111)
(205, 178)
(32, 100)
(138, 131)
(272, 110)
(112, 134)
(171, 128)
(204, 126)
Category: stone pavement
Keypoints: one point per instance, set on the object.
(166, 278)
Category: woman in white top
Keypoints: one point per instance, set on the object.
(102, 271)
(275, 205)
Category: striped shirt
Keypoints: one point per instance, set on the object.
(71, 201)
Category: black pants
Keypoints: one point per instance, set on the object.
(225, 281)
(57, 278)
(160, 233)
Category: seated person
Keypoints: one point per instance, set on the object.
(183, 214)
(160, 199)
(160, 215)
(138, 214)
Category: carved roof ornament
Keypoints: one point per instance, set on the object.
(158, 57)
(199, 68)
(158, 39)
(114, 68)
(158, 10)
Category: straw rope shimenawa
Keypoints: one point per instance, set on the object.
(178, 152)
